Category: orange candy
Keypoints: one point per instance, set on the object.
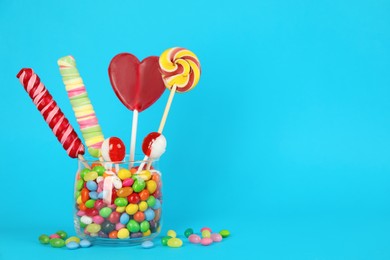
(139, 216)
(144, 194)
(84, 195)
(133, 170)
(95, 164)
(124, 192)
(82, 207)
(113, 234)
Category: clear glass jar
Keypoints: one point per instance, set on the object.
(117, 203)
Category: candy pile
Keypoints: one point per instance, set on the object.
(60, 239)
(207, 237)
(130, 209)
(116, 198)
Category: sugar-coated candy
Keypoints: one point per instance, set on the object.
(206, 233)
(107, 226)
(147, 244)
(72, 245)
(205, 228)
(86, 220)
(93, 228)
(91, 185)
(151, 185)
(171, 233)
(175, 242)
(224, 233)
(136, 234)
(99, 169)
(144, 226)
(154, 145)
(124, 174)
(105, 212)
(216, 237)
(127, 182)
(164, 240)
(85, 243)
(205, 241)
(113, 149)
(124, 219)
(188, 232)
(44, 239)
(57, 242)
(54, 236)
(149, 214)
(139, 185)
(195, 239)
(131, 209)
(133, 226)
(72, 239)
(90, 176)
(123, 233)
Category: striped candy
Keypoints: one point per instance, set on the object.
(82, 107)
(180, 67)
(51, 112)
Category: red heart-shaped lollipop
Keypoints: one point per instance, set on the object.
(137, 84)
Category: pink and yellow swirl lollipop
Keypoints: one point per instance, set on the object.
(180, 69)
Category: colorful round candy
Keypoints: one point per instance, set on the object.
(113, 149)
(154, 145)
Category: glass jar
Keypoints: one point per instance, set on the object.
(117, 203)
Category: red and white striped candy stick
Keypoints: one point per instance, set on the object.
(52, 114)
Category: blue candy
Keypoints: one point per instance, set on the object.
(94, 195)
(149, 214)
(147, 244)
(85, 243)
(157, 205)
(92, 186)
(72, 245)
(124, 219)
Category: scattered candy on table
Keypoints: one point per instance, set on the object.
(147, 244)
(61, 239)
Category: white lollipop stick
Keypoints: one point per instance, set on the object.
(133, 137)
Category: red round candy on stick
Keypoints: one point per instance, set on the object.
(113, 149)
(154, 145)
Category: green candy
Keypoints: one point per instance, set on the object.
(138, 185)
(90, 204)
(83, 172)
(62, 234)
(105, 212)
(99, 169)
(121, 202)
(57, 242)
(224, 233)
(44, 239)
(164, 240)
(77, 194)
(151, 201)
(188, 232)
(93, 228)
(144, 226)
(82, 225)
(94, 152)
(133, 226)
(79, 184)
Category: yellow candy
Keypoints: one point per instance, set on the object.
(171, 233)
(72, 239)
(121, 209)
(124, 174)
(79, 201)
(143, 205)
(90, 176)
(206, 233)
(175, 242)
(151, 185)
(123, 233)
(146, 175)
(147, 233)
(131, 209)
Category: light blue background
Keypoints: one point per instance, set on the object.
(285, 140)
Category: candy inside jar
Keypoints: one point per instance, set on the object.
(116, 205)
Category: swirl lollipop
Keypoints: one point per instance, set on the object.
(180, 70)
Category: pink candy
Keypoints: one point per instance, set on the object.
(216, 237)
(55, 236)
(127, 182)
(205, 228)
(206, 241)
(195, 239)
(119, 226)
(98, 219)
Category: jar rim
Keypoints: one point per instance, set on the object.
(138, 159)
